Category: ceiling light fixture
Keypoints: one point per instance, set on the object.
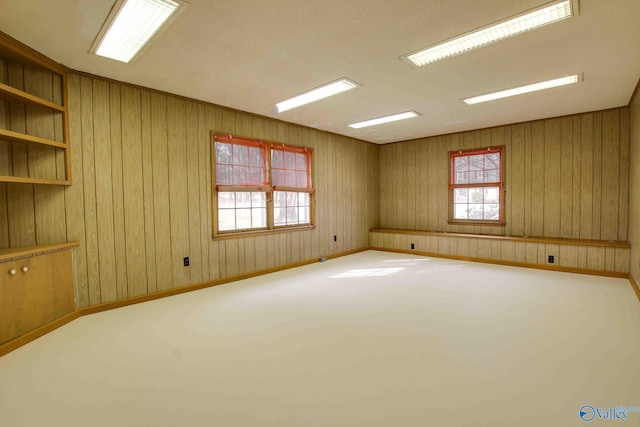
(316, 94)
(524, 89)
(536, 18)
(386, 119)
(130, 26)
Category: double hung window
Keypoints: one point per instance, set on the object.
(476, 192)
(260, 185)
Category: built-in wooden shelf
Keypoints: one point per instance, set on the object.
(526, 239)
(23, 180)
(9, 135)
(16, 95)
(38, 163)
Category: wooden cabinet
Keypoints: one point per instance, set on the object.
(34, 129)
(36, 287)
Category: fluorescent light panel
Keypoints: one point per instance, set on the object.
(386, 119)
(545, 15)
(131, 28)
(523, 89)
(317, 94)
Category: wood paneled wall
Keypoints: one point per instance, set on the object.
(634, 187)
(564, 177)
(572, 256)
(141, 198)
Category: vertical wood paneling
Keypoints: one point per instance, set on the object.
(118, 185)
(147, 171)
(568, 256)
(552, 176)
(576, 173)
(160, 173)
(633, 232)
(89, 182)
(564, 177)
(204, 173)
(193, 194)
(338, 222)
(40, 123)
(610, 174)
(104, 191)
(586, 175)
(133, 190)
(597, 176)
(528, 191)
(623, 184)
(537, 178)
(622, 260)
(74, 195)
(59, 128)
(516, 183)
(231, 252)
(521, 254)
(531, 253)
(432, 179)
(443, 179)
(507, 251)
(178, 189)
(609, 259)
(409, 187)
(20, 212)
(209, 124)
(595, 258)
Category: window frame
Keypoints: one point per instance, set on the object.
(268, 188)
(500, 184)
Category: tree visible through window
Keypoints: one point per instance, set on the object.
(260, 185)
(475, 189)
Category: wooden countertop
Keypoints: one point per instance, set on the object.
(11, 253)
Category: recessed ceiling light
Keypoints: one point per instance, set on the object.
(536, 18)
(130, 25)
(386, 119)
(316, 94)
(524, 89)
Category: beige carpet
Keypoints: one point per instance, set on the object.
(372, 339)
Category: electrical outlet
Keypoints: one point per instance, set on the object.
(551, 259)
(413, 246)
(186, 261)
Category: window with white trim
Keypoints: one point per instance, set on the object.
(476, 192)
(260, 185)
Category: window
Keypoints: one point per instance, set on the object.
(260, 185)
(476, 192)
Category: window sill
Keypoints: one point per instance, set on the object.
(257, 233)
(474, 223)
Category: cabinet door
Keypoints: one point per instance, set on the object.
(62, 282)
(26, 297)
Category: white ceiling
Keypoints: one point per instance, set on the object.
(248, 55)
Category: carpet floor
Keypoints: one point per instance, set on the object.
(371, 339)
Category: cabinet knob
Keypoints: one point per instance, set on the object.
(25, 268)
(12, 271)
